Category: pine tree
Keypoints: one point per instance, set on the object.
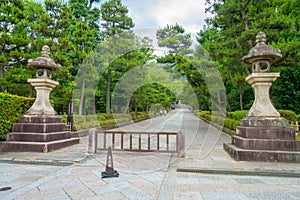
(115, 21)
(230, 34)
(174, 38)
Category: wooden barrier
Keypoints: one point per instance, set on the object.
(161, 142)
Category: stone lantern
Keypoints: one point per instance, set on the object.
(263, 135)
(40, 129)
(261, 56)
(43, 84)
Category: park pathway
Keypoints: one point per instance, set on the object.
(71, 173)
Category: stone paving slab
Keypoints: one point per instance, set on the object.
(67, 156)
(146, 176)
(218, 161)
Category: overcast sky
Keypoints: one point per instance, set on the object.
(158, 13)
(149, 15)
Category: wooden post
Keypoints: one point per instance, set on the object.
(93, 141)
(180, 144)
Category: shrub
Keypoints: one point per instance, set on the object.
(288, 114)
(108, 122)
(231, 123)
(12, 107)
(237, 115)
(204, 114)
(64, 118)
(217, 119)
(82, 122)
(107, 116)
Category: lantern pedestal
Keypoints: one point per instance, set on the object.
(263, 135)
(40, 133)
(43, 87)
(40, 129)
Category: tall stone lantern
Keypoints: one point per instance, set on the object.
(43, 84)
(261, 56)
(263, 135)
(40, 129)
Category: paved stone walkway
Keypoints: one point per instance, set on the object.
(206, 172)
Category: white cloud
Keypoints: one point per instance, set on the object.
(188, 13)
(149, 15)
(158, 13)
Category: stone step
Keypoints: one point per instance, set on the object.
(38, 137)
(264, 122)
(266, 132)
(266, 144)
(17, 146)
(39, 127)
(40, 119)
(261, 155)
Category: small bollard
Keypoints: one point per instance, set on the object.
(110, 172)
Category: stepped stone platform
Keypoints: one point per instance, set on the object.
(268, 140)
(41, 133)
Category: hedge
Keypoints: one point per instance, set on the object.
(81, 122)
(237, 115)
(288, 114)
(12, 107)
(233, 119)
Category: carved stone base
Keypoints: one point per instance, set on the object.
(38, 134)
(265, 140)
(41, 105)
(262, 106)
(262, 155)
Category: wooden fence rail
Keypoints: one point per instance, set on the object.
(160, 142)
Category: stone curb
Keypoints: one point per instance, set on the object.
(45, 162)
(271, 173)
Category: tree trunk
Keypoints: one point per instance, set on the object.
(81, 105)
(1, 76)
(245, 21)
(241, 102)
(108, 91)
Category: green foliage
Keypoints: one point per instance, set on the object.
(230, 34)
(82, 122)
(174, 38)
(204, 114)
(237, 115)
(203, 78)
(114, 17)
(14, 50)
(289, 115)
(285, 91)
(12, 107)
(231, 124)
(115, 21)
(14, 37)
(70, 29)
